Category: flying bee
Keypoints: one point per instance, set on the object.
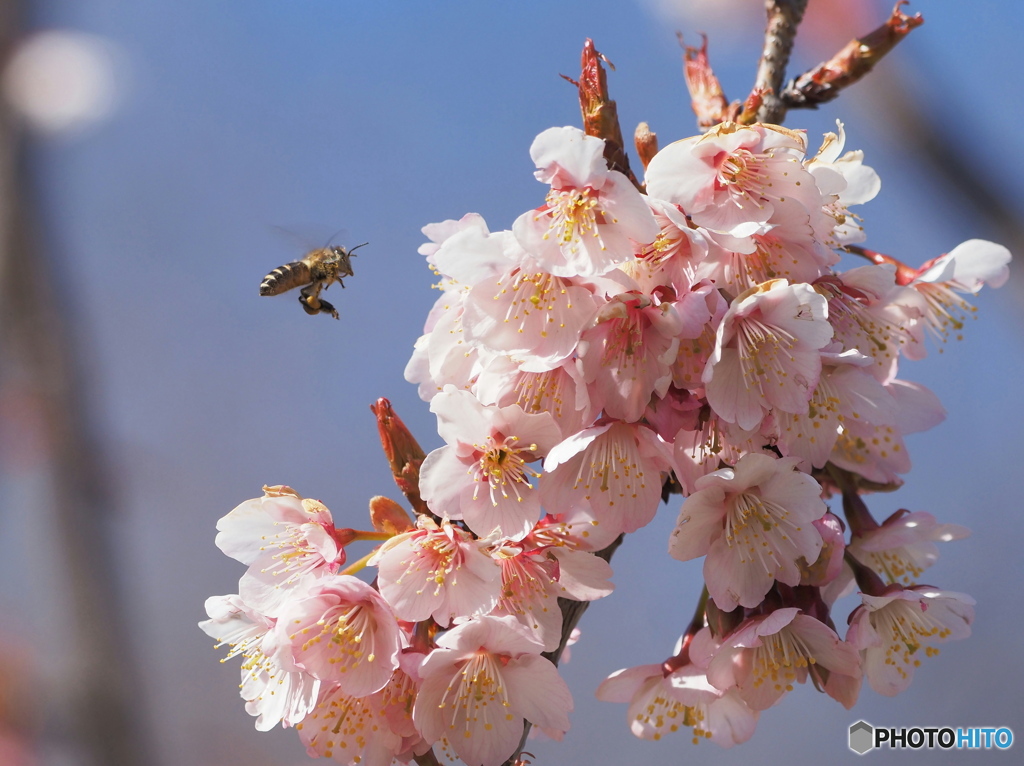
(318, 270)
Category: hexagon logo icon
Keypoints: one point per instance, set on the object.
(862, 737)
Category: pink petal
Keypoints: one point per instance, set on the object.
(537, 692)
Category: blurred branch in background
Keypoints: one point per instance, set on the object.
(966, 182)
(92, 713)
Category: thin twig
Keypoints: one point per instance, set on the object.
(427, 759)
(858, 57)
(784, 17)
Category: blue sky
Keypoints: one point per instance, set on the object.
(239, 117)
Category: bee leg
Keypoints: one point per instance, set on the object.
(309, 297)
(328, 309)
(312, 303)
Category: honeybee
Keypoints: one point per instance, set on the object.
(318, 270)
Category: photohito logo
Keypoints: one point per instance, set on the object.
(865, 737)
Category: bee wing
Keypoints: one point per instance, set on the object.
(306, 236)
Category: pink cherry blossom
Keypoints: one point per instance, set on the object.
(287, 541)
(529, 313)
(612, 470)
(626, 355)
(767, 352)
(560, 392)
(467, 254)
(766, 655)
(731, 178)
(483, 474)
(661, 704)
(398, 698)
(275, 690)
(846, 394)
(679, 409)
(437, 233)
(877, 450)
(546, 565)
(672, 259)
(343, 632)
(483, 680)
(473, 253)
(437, 571)
(828, 568)
(695, 351)
(662, 701)
(903, 546)
(896, 631)
(857, 184)
(870, 314)
(350, 729)
(711, 443)
(787, 250)
(442, 356)
(592, 215)
(754, 523)
(964, 269)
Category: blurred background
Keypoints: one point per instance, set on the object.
(151, 153)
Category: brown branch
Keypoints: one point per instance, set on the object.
(858, 57)
(784, 16)
(427, 759)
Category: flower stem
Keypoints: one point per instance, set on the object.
(358, 566)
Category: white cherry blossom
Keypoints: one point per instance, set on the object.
(275, 690)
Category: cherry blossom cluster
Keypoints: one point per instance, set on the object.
(701, 331)
(361, 671)
(614, 346)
